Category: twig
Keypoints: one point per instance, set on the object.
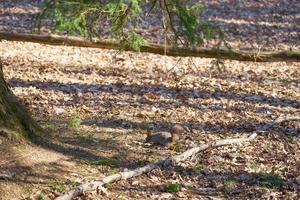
(279, 120)
(98, 184)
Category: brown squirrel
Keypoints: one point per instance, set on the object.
(164, 138)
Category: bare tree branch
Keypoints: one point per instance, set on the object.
(222, 53)
(98, 184)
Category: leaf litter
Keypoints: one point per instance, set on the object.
(114, 104)
(96, 106)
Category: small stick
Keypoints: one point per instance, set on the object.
(98, 184)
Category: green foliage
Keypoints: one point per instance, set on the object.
(112, 171)
(178, 146)
(86, 17)
(228, 185)
(43, 196)
(134, 41)
(73, 184)
(264, 189)
(48, 126)
(200, 166)
(187, 17)
(175, 146)
(173, 187)
(57, 187)
(74, 121)
(107, 162)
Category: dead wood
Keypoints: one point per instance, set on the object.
(280, 120)
(223, 53)
(98, 184)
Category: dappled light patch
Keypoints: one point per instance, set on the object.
(102, 116)
(97, 105)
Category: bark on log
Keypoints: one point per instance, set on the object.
(267, 56)
(98, 185)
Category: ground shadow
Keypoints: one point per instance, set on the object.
(256, 21)
(210, 183)
(242, 126)
(159, 90)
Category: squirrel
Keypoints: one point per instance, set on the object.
(165, 138)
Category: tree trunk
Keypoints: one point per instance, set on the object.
(15, 121)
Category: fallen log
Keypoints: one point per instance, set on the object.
(223, 53)
(98, 184)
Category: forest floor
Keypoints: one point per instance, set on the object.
(96, 105)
